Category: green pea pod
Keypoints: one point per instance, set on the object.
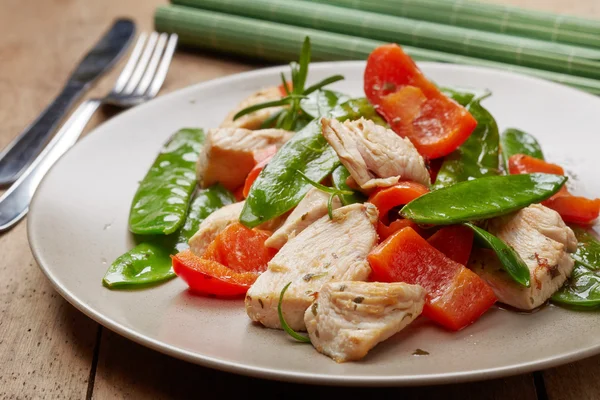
(338, 178)
(161, 201)
(482, 198)
(280, 187)
(477, 156)
(150, 261)
(582, 290)
(511, 260)
(514, 141)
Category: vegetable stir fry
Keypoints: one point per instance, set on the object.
(349, 218)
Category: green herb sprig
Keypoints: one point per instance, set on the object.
(284, 324)
(288, 118)
(333, 192)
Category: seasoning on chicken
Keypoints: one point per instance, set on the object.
(255, 119)
(350, 318)
(228, 154)
(374, 155)
(329, 250)
(312, 207)
(543, 241)
(213, 225)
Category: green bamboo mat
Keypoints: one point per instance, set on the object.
(526, 52)
(488, 17)
(281, 43)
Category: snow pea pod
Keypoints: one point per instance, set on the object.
(582, 290)
(482, 198)
(511, 260)
(338, 178)
(477, 156)
(280, 187)
(514, 141)
(150, 261)
(162, 198)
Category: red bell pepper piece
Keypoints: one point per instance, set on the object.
(262, 159)
(412, 105)
(388, 198)
(576, 209)
(230, 264)
(456, 295)
(455, 241)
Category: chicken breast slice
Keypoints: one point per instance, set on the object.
(253, 120)
(543, 241)
(327, 251)
(374, 155)
(350, 318)
(228, 154)
(214, 224)
(312, 207)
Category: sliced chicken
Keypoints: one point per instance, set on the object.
(312, 207)
(327, 251)
(543, 241)
(213, 225)
(349, 318)
(374, 155)
(228, 154)
(253, 120)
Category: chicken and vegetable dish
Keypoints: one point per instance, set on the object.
(349, 218)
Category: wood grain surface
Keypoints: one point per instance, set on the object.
(50, 350)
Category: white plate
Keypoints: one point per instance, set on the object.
(78, 225)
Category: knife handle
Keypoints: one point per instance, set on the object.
(21, 152)
(14, 204)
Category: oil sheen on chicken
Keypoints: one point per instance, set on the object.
(374, 155)
(349, 318)
(543, 241)
(329, 250)
(228, 154)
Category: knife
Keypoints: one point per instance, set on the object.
(21, 152)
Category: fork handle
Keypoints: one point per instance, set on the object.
(22, 150)
(14, 203)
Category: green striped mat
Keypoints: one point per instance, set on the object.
(526, 52)
(279, 42)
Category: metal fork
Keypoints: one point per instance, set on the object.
(140, 81)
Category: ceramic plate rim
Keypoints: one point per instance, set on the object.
(274, 374)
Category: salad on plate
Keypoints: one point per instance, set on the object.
(348, 218)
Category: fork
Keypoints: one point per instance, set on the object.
(140, 81)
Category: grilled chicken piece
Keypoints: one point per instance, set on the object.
(312, 207)
(213, 225)
(374, 155)
(349, 318)
(326, 251)
(228, 154)
(253, 120)
(543, 241)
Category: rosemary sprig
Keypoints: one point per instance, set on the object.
(288, 118)
(284, 324)
(331, 190)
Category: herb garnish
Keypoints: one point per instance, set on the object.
(331, 190)
(284, 324)
(289, 117)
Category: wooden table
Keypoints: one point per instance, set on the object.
(48, 349)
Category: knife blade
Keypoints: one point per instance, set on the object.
(21, 152)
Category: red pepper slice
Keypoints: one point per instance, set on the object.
(412, 105)
(262, 160)
(576, 209)
(230, 265)
(456, 296)
(455, 241)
